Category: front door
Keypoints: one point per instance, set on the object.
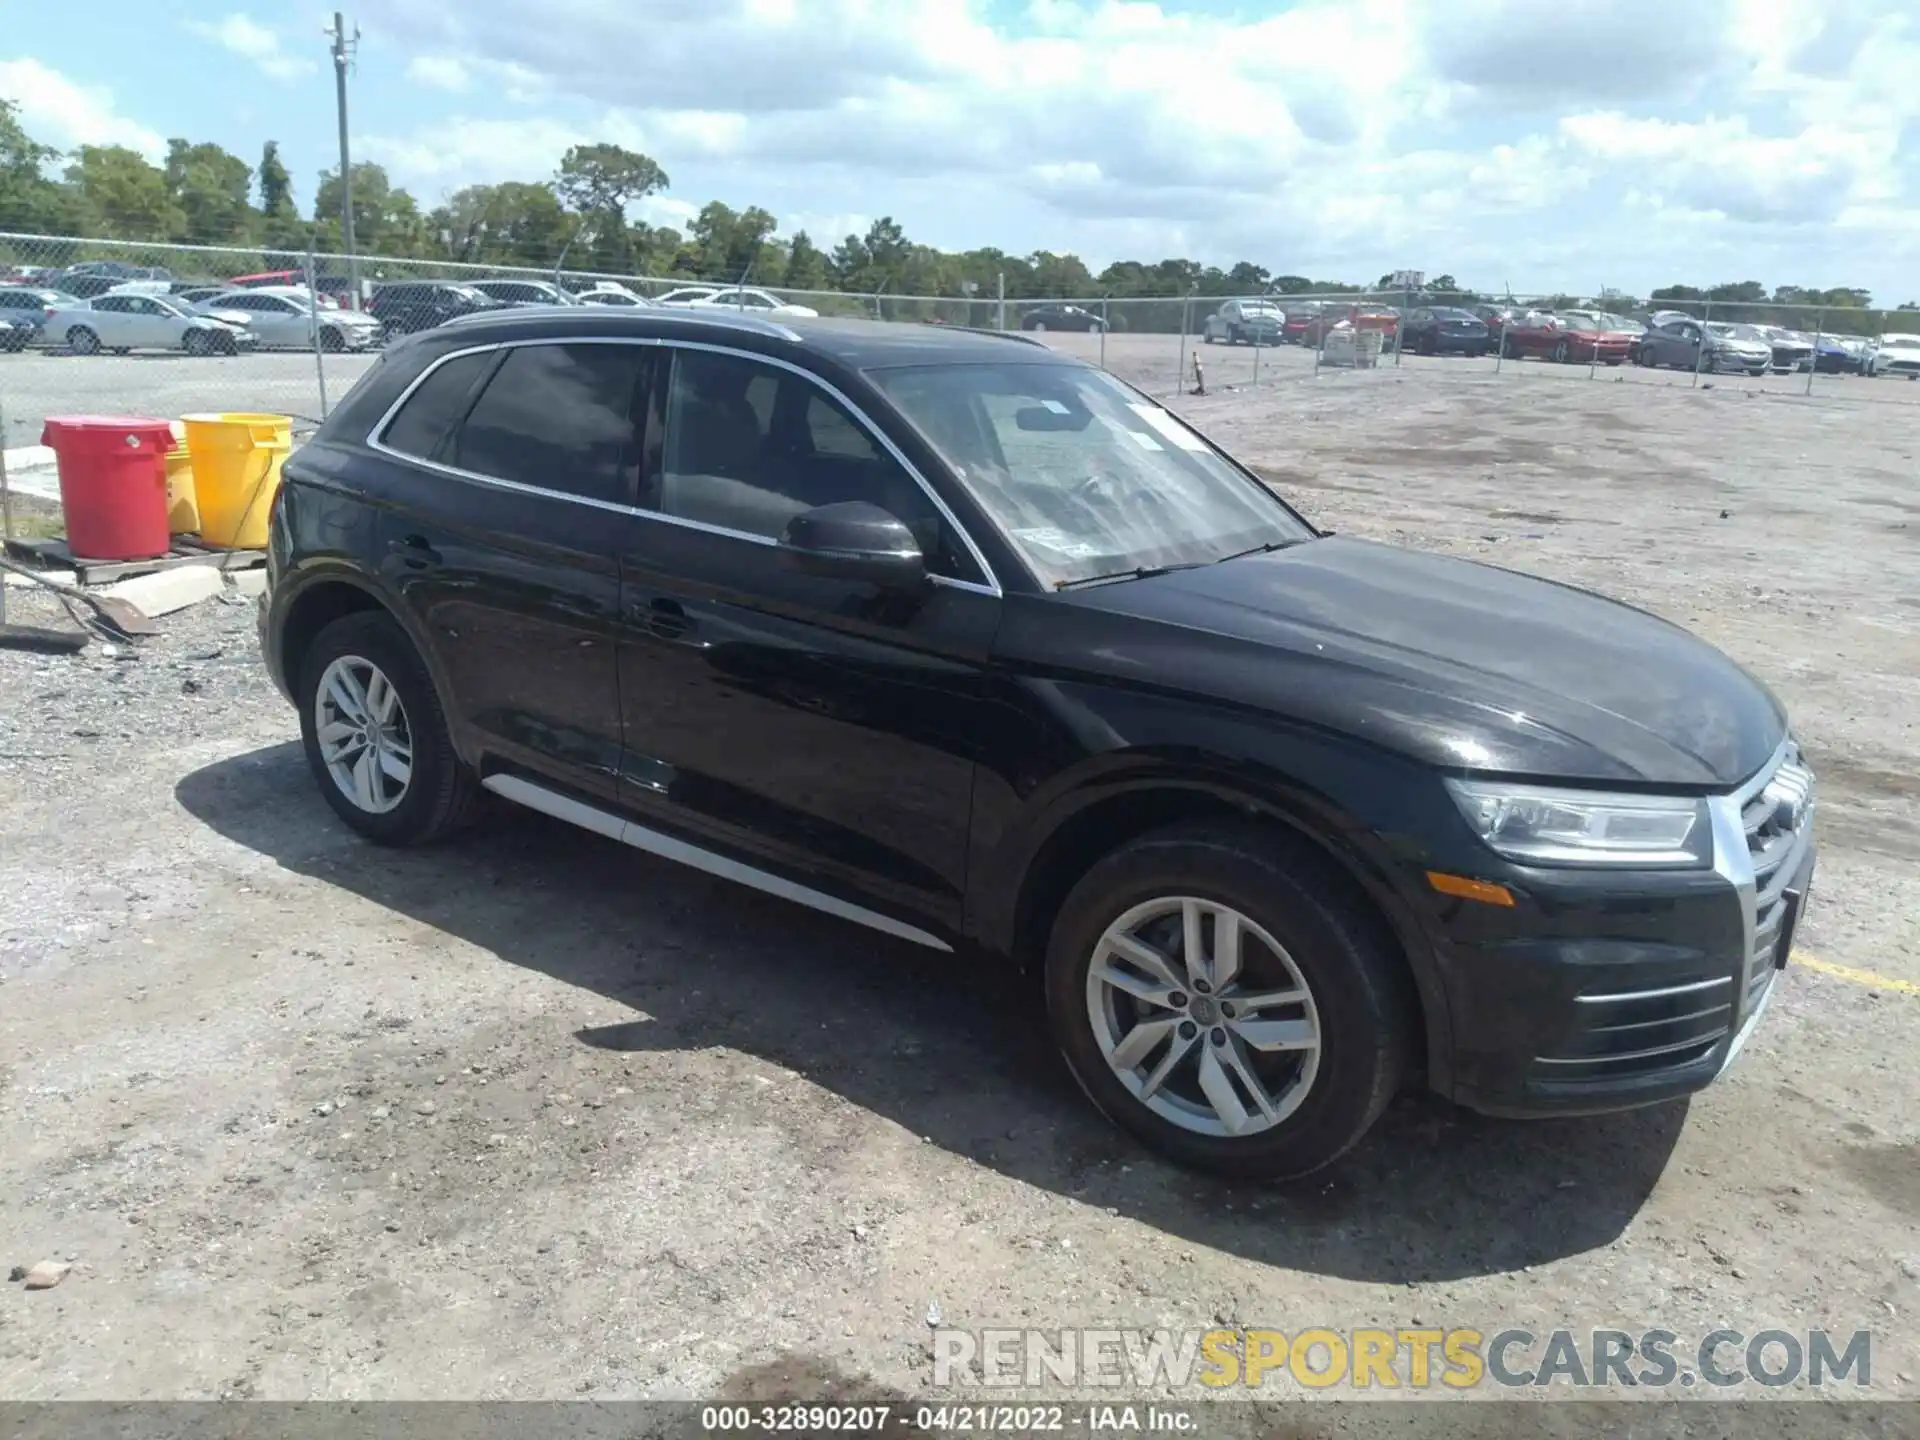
(823, 725)
(510, 559)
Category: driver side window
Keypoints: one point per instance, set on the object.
(748, 446)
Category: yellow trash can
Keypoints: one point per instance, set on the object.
(183, 513)
(236, 470)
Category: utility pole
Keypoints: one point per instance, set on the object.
(344, 46)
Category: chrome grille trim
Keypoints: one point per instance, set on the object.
(1702, 1043)
(1653, 994)
(1758, 850)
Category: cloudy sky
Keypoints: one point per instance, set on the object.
(1542, 144)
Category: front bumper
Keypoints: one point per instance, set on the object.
(1604, 992)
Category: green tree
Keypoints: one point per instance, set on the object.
(210, 187)
(730, 242)
(1058, 276)
(385, 219)
(130, 197)
(600, 182)
(806, 266)
(1246, 278)
(28, 200)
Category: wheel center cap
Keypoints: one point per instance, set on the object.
(1203, 1010)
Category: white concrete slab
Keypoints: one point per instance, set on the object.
(250, 583)
(166, 591)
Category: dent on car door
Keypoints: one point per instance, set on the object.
(508, 555)
(821, 724)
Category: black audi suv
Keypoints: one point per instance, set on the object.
(959, 639)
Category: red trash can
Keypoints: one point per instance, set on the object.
(113, 483)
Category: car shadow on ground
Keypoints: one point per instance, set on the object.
(948, 1047)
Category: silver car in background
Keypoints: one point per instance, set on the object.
(285, 319)
(121, 322)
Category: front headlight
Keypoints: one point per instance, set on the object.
(1540, 826)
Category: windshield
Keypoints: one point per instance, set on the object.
(1580, 322)
(1085, 476)
(1738, 332)
(467, 292)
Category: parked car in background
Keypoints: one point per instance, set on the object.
(524, 292)
(287, 319)
(685, 295)
(143, 322)
(87, 285)
(1444, 330)
(404, 306)
(1791, 350)
(1245, 322)
(1496, 318)
(1297, 315)
(1274, 821)
(1842, 354)
(199, 294)
(615, 298)
(753, 302)
(1689, 344)
(1568, 337)
(1361, 316)
(1896, 355)
(1062, 317)
(28, 307)
(13, 336)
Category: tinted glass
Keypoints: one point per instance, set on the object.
(749, 446)
(559, 417)
(436, 405)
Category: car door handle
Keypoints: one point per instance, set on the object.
(414, 552)
(667, 619)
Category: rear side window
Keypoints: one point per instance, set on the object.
(435, 406)
(559, 417)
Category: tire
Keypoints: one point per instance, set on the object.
(83, 341)
(439, 792)
(195, 343)
(1038, 327)
(1358, 1008)
(1561, 354)
(331, 340)
(123, 349)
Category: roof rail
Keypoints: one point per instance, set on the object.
(1018, 337)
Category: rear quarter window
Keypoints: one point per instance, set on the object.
(435, 406)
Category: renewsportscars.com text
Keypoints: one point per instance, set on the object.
(1417, 1358)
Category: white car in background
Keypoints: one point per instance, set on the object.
(1896, 355)
(282, 318)
(685, 295)
(756, 302)
(142, 322)
(611, 292)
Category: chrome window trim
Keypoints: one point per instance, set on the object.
(375, 441)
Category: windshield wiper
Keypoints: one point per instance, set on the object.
(1143, 572)
(1265, 549)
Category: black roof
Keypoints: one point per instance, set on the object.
(856, 344)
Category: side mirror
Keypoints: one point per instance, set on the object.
(854, 540)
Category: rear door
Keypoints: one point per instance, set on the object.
(508, 554)
(814, 725)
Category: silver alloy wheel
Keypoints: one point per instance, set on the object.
(1203, 1016)
(365, 740)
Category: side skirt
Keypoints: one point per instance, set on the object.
(627, 832)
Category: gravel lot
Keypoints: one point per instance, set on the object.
(534, 1116)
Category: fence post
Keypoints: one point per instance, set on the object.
(1700, 355)
(1819, 331)
(1000, 294)
(1106, 323)
(1400, 330)
(1180, 371)
(313, 335)
(6, 502)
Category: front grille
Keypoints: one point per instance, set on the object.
(1777, 820)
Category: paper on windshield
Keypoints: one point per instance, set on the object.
(1058, 541)
(1170, 427)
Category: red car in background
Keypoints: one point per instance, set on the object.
(1383, 318)
(1572, 337)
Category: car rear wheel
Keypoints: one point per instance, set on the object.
(1561, 354)
(376, 737)
(83, 341)
(1218, 996)
(1040, 325)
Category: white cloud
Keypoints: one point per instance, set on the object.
(438, 72)
(61, 112)
(249, 39)
(1351, 135)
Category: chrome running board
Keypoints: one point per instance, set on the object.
(565, 807)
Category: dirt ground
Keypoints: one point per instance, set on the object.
(533, 1116)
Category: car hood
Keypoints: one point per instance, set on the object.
(231, 317)
(1462, 665)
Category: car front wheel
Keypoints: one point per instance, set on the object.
(1217, 994)
(83, 341)
(376, 737)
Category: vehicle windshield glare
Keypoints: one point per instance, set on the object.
(1085, 476)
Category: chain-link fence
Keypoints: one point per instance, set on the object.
(118, 327)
